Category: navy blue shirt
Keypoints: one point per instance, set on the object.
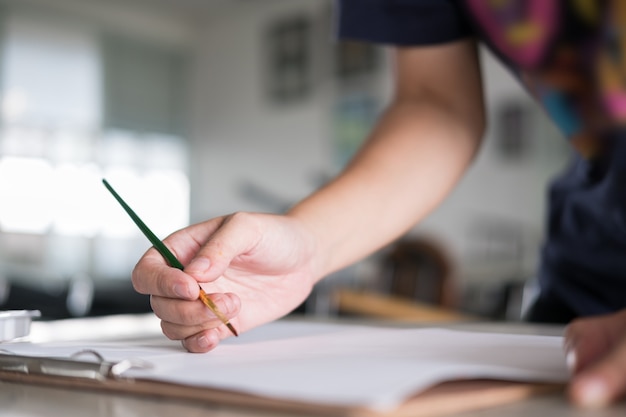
(569, 56)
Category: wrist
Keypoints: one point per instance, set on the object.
(312, 237)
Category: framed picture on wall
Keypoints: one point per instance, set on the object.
(354, 117)
(288, 53)
(513, 130)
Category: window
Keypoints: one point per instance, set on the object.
(57, 138)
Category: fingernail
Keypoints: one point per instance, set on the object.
(182, 290)
(594, 394)
(567, 345)
(203, 342)
(570, 360)
(198, 266)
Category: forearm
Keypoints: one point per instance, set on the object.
(413, 159)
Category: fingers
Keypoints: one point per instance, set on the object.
(202, 342)
(587, 340)
(153, 276)
(194, 323)
(174, 293)
(603, 382)
(237, 235)
(194, 314)
(596, 354)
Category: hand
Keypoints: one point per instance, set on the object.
(255, 267)
(596, 354)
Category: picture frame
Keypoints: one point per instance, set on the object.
(289, 58)
(514, 125)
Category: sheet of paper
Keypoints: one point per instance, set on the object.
(345, 365)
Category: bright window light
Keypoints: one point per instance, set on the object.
(14, 105)
(114, 220)
(70, 200)
(160, 199)
(37, 50)
(27, 188)
(167, 201)
(53, 154)
(74, 206)
(23, 141)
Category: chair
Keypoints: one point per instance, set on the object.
(416, 284)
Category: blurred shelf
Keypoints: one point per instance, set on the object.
(395, 308)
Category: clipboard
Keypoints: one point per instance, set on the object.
(444, 399)
(88, 370)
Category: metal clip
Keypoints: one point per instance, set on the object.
(95, 370)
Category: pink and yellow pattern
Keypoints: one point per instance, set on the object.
(571, 55)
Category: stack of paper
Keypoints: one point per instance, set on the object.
(376, 368)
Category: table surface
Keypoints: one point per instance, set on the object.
(21, 400)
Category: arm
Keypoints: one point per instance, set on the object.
(419, 150)
(258, 267)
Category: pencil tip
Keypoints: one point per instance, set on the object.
(232, 329)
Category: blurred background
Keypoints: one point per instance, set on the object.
(198, 108)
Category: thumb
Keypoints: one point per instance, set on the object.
(589, 339)
(604, 381)
(238, 235)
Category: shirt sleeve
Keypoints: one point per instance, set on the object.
(402, 22)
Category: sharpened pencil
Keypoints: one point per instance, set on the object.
(168, 255)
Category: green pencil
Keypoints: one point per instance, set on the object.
(168, 255)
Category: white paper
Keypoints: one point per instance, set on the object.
(345, 365)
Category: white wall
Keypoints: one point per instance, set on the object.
(237, 136)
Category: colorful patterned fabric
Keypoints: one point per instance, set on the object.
(569, 55)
